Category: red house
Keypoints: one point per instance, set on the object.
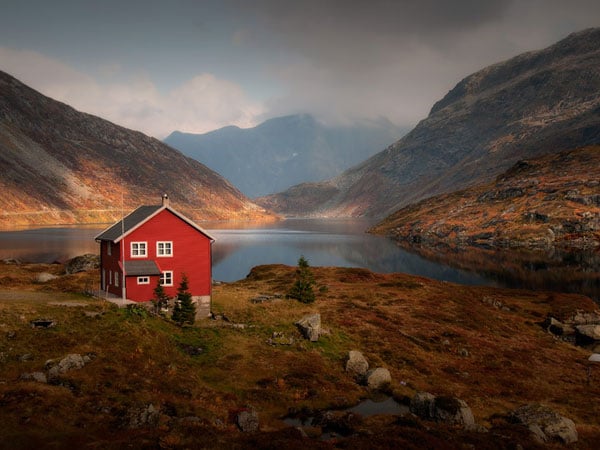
(156, 243)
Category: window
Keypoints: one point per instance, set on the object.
(166, 278)
(138, 250)
(143, 280)
(117, 279)
(110, 277)
(109, 248)
(164, 248)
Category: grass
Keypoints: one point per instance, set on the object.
(446, 339)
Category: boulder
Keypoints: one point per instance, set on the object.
(44, 277)
(545, 424)
(310, 326)
(247, 420)
(40, 377)
(142, 416)
(587, 334)
(357, 365)
(448, 410)
(69, 362)
(378, 378)
(82, 263)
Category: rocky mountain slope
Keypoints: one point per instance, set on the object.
(62, 166)
(540, 102)
(284, 151)
(552, 202)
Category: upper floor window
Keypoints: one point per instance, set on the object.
(164, 248)
(139, 249)
(109, 248)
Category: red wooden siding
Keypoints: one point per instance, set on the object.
(191, 255)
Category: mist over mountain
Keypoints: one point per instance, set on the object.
(536, 103)
(285, 151)
(59, 165)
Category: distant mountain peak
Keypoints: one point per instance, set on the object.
(284, 150)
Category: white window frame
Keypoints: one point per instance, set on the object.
(137, 251)
(160, 253)
(163, 278)
(143, 280)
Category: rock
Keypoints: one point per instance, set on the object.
(587, 334)
(82, 263)
(594, 357)
(279, 338)
(142, 416)
(43, 323)
(356, 364)
(247, 420)
(40, 377)
(44, 277)
(449, 410)
(341, 422)
(557, 328)
(310, 326)
(69, 362)
(546, 424)
(378, 378)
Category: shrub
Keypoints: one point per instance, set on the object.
(184, 310)
(302, 290)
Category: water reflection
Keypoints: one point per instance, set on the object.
(241, 246)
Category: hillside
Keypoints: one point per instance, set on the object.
(284, 151)
(142, 382)
(540, 102)
(62, 166)
(548, 203)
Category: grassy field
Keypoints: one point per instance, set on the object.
(480, 344)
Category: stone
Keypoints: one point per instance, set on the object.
(142, 416)
(39, 377)
(247, 420)
(594, 357)
(69, 362)
(43, 323)
(378, 378)
(545, 424)
(357, 365)
(587, 334)
(310, 326)
(448, 410)
(82, 263)
(44, 277)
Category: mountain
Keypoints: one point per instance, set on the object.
(539, 102)
(284, 151)
(547, 203)
(62, 166)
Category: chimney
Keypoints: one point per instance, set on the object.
(165, 200)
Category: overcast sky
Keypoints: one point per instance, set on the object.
(194, 66)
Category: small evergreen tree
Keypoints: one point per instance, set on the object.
(161, 299)
(184, 310)
(302, 289)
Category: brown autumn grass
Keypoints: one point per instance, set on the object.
(439, 337)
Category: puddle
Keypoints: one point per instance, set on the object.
(339, 421)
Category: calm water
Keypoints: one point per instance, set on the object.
(330, 243)
(236, 251)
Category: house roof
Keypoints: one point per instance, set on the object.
(137, 268)
(137, 218)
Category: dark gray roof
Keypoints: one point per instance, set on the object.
(145, 267)
(133, 219)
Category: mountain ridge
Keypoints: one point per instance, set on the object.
(283, 151)
(64, 166)
(539, 102)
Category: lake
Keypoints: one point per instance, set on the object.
(241, 246)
